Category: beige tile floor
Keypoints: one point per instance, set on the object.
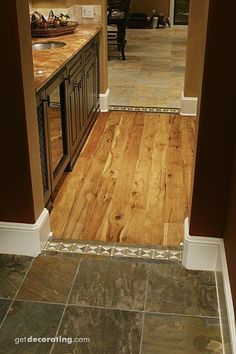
(153, 73)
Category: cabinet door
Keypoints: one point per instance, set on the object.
(57, 128)
(90, 89)
(80, 93)
(76, 111)
(44, 150)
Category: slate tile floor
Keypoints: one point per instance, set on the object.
(121, 305)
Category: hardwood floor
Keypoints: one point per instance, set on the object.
(131, 182)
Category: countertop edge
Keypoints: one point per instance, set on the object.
(70, 57)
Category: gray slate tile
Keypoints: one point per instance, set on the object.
(109, 331)
(167, 334)
(49, 279)
(26, 319)
(4, 306)
(111, 284)
(176, 290)
(12, 271)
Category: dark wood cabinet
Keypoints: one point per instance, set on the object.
(56, 108)
(90, 79)
(83, 96)
(44, 149)
(53, 133)
(75, 111)
(67, 107)
(90, 89)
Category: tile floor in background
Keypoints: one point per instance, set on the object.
(153, 73)
(122, 305)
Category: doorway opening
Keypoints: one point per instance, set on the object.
(152, 74)
(181, 12)
(131, 183)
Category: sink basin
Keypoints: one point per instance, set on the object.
(47, 45)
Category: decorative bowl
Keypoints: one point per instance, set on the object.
(54, 32)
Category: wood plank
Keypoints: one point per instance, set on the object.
(157, 185)
(172, 234)
(114, 221)
(70, 189)
(94, 137)
(135, 216)
(80, 213)
(65, 200)
(188, 138)
(95, 229)
(174, 201)
(66, 212)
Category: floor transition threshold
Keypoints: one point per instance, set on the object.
(151, 252)
(144, 109)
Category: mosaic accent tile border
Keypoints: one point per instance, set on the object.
(113, 250)
(144, 109)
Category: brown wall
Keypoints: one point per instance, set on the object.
(20, 179)
(146, 6)
(213, 211)
(216, 127)
(195, 47)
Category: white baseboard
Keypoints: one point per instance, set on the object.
(199, 252)
(208, 253)
(188, 106)
(25, 239)
(104, 101)
(221, 266)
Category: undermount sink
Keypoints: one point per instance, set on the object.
(47, 45)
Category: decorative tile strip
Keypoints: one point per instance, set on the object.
(114, 250)
(144, 109)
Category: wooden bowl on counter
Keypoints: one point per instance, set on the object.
(54, 32)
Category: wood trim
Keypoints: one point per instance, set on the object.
(20, 180)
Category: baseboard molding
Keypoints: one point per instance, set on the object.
(208, 253)
(188, 106)
(199, 252)
(25, 239)
(104, 105)
(227, 316)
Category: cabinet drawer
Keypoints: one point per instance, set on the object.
(89, 51)
(75, 65)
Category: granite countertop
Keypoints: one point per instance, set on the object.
(48, 62)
